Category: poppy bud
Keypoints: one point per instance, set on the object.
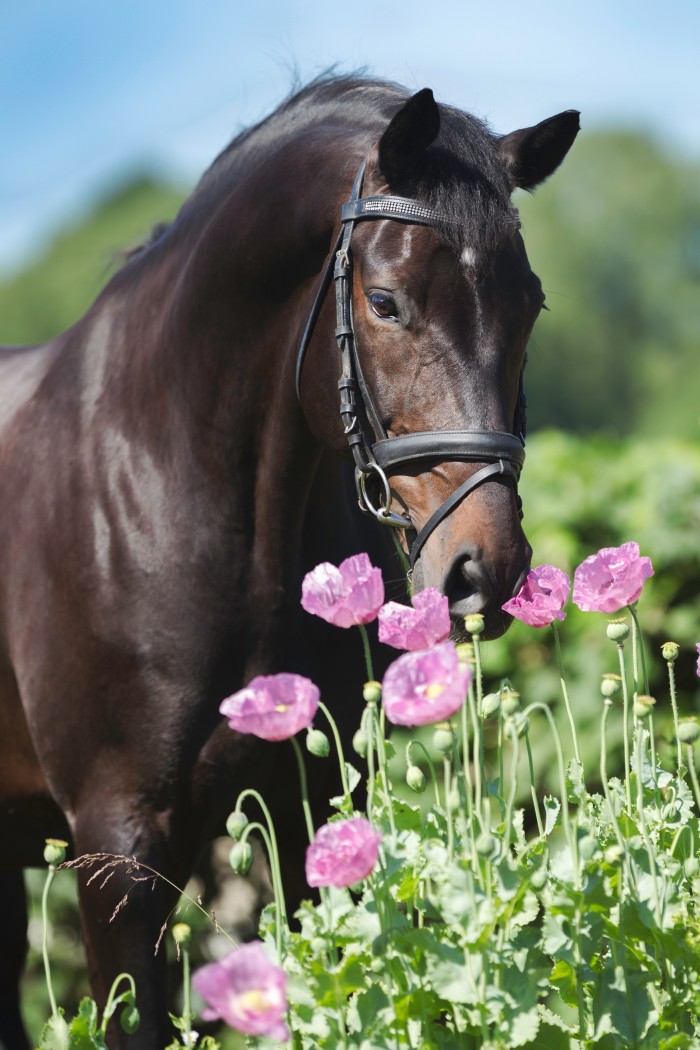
(372, 692)
(317, 743)
(241, 858)
(611, 685)
(490, 705)
(688, 731)
(486, 844)
(618, 630)
(359, 743)
(669, 651)
(443, 739)
(55, 851)
(182, 934)
(415, 779)
(510, 701)
(691, 867)
(236, 823)
(643, 707)
(130, 1018)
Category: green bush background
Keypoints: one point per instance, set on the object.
(614, 391)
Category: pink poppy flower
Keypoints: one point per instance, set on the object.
(419, 627)
(425, 687)
(245, 990)
(272, 707)
(346, 595)
(611, 579)
(541, 599)
(342, 853)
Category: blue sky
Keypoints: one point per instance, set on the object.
(91, 90)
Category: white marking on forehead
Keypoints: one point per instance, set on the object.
(469, 258)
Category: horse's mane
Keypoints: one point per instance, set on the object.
(462, 177)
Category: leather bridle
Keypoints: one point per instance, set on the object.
(380, 456)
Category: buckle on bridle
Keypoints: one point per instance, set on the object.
(381, 513)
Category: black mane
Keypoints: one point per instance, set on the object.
(462, 175)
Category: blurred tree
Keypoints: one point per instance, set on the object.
(615, 238)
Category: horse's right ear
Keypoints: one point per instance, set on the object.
(410, 132)
(532, 154)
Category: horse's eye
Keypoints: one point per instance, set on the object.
(383, 306)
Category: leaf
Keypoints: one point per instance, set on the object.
(54, 1035)
(552, 808)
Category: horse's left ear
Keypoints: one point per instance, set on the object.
(410, 131)
(532, 154)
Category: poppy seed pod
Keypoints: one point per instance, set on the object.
(618, 630)
(669, 651)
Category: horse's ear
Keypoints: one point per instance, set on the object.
(410, 132)
(532, 154)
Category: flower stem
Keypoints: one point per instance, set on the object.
(417, 743)
(275, 874)
(367, 652)
(674, 706)
(273, 851)
(604, 776)
(477, 752)
(50, 875)
(339, 750)
(304, 789)
(565, 694)
(533, 788)
(537, 705)
(625, 724)
(638, 644)
(693, 774)
(109, 1008)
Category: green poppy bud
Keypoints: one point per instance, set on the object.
(618, 630)
(490, 705)
(688, 731)
(130, 1018)
(510, 701)
(182, 934)
(611, 685)
(474, 623)
(443, 739)
(454, 802)
(522, 725)
(465, 652)
(55, 851)
(241, 858)
(486, 844)
(691, 867)
(236, 823)
(669, 651)
(372, 692)
(643, 707)
(317, 743)
(359, 743)
(415, 779)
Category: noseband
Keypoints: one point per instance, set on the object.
(380, 456)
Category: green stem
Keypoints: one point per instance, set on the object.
(625, 724)
(109, 1009)
(304, 789)
(275, 874)
(384, 775)
(45, 937)
(693, 774)
(417, 743)
(477, 750)
(674, 706)
(513, 734)
(607, 704)
(479, 704)
(638, 643)
(447, 786)
(565, 694)
(643, 825)
(533, 789)
(338, 748)
(367, 652)
(187, 991)
(566, 824)
(369, 720)
(273, 851)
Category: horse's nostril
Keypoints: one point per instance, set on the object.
(467, 587)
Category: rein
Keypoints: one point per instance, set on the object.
(378, 457)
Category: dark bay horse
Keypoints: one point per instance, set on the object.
(165, 490)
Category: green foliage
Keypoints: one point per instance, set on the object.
(615, 238)
(55, 291)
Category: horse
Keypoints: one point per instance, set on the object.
(174, 463)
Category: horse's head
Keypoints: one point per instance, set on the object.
(443, 303)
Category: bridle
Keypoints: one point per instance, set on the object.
(375, 460)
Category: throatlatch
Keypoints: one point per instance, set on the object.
(380, 456)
